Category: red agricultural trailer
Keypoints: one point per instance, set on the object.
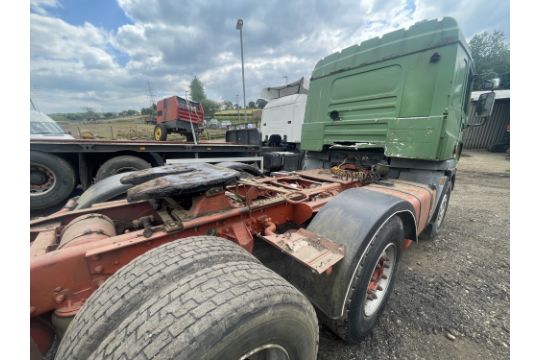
(176, 114)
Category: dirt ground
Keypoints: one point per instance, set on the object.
(458, 283)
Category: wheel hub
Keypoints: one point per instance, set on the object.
(42, 179)
(37, 178)
(381, 277)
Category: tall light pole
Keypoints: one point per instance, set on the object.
(286, 79)
(239, 25)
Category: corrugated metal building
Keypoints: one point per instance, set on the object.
(494, 130)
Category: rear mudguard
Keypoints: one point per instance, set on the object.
(352, 219)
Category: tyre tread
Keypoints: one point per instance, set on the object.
(137, 281)
(207, 296)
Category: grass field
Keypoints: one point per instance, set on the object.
(126, 128)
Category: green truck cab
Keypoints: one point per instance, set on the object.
(406, 94)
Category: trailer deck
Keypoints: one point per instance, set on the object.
(90, 146)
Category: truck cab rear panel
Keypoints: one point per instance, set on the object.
(406, 92)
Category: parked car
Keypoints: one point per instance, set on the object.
(43, 127)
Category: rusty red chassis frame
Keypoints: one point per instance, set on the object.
(74, 252)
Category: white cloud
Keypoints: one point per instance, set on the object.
(40, 6)
(170, 41)
(472, 16)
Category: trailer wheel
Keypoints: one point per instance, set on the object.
(121, 164)
(199, 297)
(52, 180)
(372, 284)
(160, 133)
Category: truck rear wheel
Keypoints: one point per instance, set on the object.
(160, 133)
(372, 284)
(52, 180)
(195, 298)
(121, 164)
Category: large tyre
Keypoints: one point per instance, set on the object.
(121, 164)
(372, 284)
(52, 180)
(160, 133)
(434, 226)
(195, 298)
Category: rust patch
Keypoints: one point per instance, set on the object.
(316, 251)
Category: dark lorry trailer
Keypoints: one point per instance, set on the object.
(58, 167)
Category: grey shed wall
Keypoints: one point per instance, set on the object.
(493, 131)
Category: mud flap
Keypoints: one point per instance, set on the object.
(315, 251)
(351, 220)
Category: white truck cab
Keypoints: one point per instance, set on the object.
(283, 116)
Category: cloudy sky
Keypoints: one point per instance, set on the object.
(103, 53)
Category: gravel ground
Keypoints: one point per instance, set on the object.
(452, 294)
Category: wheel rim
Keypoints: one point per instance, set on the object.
(158, 133)
(442, 210)
(380, 280)
(42, 180)
(266, 352)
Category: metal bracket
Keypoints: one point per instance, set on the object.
(170, 223)
(316, 251)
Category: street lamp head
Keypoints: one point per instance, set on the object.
(239, 24)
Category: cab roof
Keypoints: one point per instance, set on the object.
(420, 36)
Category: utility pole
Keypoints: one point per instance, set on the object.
(239, 26)
(286, 79)
(191, 122)
(151, 94)
(152, 102)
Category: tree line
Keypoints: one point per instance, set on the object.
(89, 114)
(491, 55)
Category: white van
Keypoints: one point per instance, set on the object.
(43, 127)
(284, 117)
